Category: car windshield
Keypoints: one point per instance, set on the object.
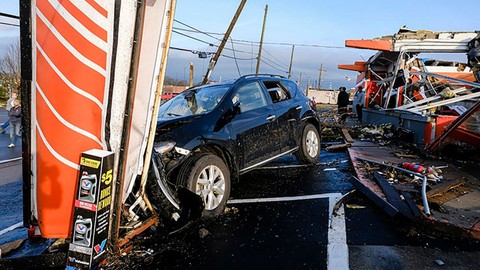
(193, 101)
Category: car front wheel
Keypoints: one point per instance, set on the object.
(209, 177)
(309, 148)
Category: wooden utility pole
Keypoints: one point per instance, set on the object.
(191, 75)
(261, 40)
(320, 76)
(291, 61)
(213, 61)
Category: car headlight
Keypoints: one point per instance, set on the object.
(163, 147)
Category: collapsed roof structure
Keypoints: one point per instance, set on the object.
(422, 95)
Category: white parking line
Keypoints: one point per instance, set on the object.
(337, 249)
(11, 228)
(10, 160)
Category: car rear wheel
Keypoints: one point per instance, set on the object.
(208, 176)
(309, 149)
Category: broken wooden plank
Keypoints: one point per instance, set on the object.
(399, 155)
(405, 188)
(338, 147)
(346, 136)
(380, 202)
(8, 247)
(392, 195)
(444, 187)
(411, 204)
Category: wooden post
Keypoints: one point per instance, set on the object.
(261, 40)
(191, 75)
(291, 61)
(222, 44)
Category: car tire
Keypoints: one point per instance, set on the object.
(214, 189)
(309, 148)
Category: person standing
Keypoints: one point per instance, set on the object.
(15, 115)
(12, 98)
(342, 102)
(359, 102)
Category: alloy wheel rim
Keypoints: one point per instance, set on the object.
(211, 186)
(312, 143)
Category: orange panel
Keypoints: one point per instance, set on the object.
(82, 70)
(56, 186)
(64, 99)
(97, 7)
(80, 43)
(355, 67)
(84, 19)
(378, 44)
(77, 72)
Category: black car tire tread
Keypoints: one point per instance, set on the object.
(191, 169)
(302, 154)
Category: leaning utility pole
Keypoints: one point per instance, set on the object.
(222, 44)
(261, 40)
(291, 61)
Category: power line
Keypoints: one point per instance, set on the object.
(263, 61)
(235, 57)
(9, 15)
(9, 24)
(194, 31)
(278, 61)
(194, 38)
(199, 31)
(290, 44)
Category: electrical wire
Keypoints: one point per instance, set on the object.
(195, 31)
(10, 24)
(263, 61)
(279, 62)
(199, 31)
(194, 38)
(9, 15)
(235, 57)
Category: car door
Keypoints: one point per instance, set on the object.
(255, 127)
(287, 109)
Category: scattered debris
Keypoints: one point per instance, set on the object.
(203, 233)
(9, 247)
(232, 210)
(355, 206)
(439, 262)
(338, 147)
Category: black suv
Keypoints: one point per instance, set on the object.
(208, 135)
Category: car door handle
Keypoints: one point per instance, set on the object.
(299, 107)
(271, 118)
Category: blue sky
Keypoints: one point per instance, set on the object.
(325, 25)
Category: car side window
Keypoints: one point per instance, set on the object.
(250, 97)
(277, 91)
(291, 87)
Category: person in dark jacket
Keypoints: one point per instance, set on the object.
(342, 102)
(15, 115)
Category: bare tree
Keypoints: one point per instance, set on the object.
(10, 70)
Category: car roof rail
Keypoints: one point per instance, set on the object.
(244, 77)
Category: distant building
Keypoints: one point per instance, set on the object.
(169, 91)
